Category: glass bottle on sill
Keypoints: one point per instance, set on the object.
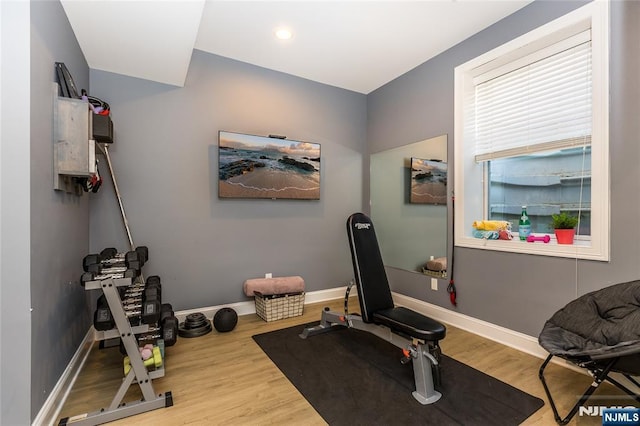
(524, 225)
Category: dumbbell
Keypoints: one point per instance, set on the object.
(112, 253)
(152, 288)
(167, 329)
(168, 332)
(139, 286)
(94, 263)
(150, 293)
(130, 303)
(151, 281)
(130, 259)
(166, 311)
(169, 324)
(533, 238)
(148, 309)
(154, 361)
(92, 276)
(109, 259)
(102, 317)
(134, 307)
(132, 289)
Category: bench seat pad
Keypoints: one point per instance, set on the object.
(410, 323)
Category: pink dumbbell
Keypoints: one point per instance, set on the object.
(533, 239)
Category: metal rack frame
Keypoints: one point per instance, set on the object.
(138, 373)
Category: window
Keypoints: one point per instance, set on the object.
(547, 183)
(532, 129)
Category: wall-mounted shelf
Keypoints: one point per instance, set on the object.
(74, 150)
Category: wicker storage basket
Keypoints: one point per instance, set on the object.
(279, 306)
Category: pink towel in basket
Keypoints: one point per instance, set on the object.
(275, 285)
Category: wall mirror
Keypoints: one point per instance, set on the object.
(409, 233)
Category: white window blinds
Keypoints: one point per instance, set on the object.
(537, 103)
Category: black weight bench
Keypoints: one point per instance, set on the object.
(411, 331)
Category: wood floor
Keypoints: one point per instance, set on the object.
(225, 378)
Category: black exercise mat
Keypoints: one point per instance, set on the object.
(355, 378)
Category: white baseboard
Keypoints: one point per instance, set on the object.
(48, 414)
(249, 307)
(514, 339)
(50, 410)
(505, 336)
(241, 308)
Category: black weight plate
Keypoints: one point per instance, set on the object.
(194, 332)
(195, 321)
(189, 325)
(198, 316)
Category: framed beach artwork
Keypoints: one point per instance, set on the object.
(428, 181)
(267, 167)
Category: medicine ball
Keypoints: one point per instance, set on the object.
(225, 320)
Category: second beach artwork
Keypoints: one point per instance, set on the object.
(428, 181)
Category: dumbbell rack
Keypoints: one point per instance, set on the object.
(138, 373)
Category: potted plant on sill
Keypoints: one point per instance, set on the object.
(564, 226)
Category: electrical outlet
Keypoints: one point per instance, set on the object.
(434, 284)
(268, 275)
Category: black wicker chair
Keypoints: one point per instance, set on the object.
(599, 331)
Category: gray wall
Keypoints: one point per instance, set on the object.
(59, 221)
(513, 290)
(15, 344)
(165, 160)
(204, 248)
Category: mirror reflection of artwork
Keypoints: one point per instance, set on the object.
(408, 234)
(428, 181)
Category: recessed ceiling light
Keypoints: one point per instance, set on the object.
(283, 33)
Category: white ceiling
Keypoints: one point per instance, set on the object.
(355, 45)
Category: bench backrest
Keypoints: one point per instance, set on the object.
(373, 287)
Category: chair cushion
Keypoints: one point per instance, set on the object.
(597, 324)
(410, 323)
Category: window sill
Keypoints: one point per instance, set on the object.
(580, 249)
